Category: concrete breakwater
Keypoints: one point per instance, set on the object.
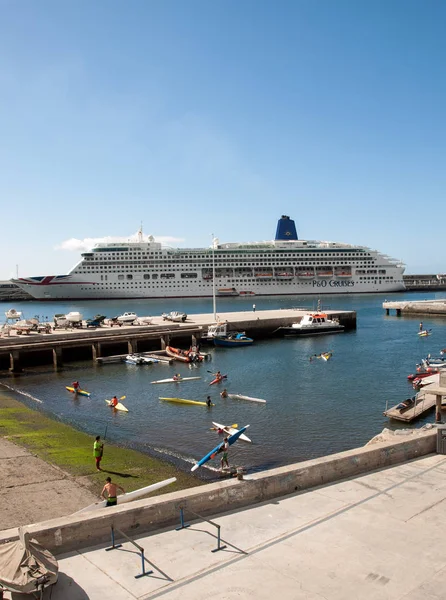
(416, 307)
(84, 530)
(19, 351)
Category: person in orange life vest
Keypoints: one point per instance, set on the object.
(114, 401)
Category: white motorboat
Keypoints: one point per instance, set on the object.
(134, 359)
(312, 324)
(127, 317)
(74, 317)
(175, 316)
(13, 315)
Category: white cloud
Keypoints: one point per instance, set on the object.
(76, 245)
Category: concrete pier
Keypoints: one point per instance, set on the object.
(18, 351)
(416, 307)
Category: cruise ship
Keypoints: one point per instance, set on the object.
(284, 266)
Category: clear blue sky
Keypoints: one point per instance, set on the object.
(198, 116)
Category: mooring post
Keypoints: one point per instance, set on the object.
(132, 346)
(95, 351)
(57, 358)
(14, 362)
(437, 408)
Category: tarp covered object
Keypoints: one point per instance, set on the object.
(25, 566)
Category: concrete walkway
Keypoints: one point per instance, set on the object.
(33, 490)
(379, 536)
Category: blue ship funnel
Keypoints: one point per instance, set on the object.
(286, 229)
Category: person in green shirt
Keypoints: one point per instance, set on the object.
(98, 451)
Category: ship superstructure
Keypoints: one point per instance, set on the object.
(284, 266)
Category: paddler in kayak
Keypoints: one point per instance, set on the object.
(76, 386)
(224, 393)
(114, 401)
(176, 377)
(209, 401)
(218, 376)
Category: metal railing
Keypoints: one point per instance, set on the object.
(140, 548)
(183, 525)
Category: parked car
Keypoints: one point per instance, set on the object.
(175, 316)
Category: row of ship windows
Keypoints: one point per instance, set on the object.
(93, 270)
(263, 283)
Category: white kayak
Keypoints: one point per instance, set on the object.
(240, 397)
(230, 430)
(172, 380)
(130, 496)
(118, 406)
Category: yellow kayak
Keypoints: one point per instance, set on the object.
(119, 406)
(183, 401)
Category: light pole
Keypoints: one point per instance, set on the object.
(214, 303)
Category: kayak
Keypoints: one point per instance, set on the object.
(425, 333)
(183, 401)
(119, 406)
(171, 380)
(218, 379)
(80, 392)
(213, 453)
(240, 397)
(230, 430)
(130, 495)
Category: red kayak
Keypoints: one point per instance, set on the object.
(422, 375)
(218, 379)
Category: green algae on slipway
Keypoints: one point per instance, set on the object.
(72, 451)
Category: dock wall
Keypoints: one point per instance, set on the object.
(89, 529)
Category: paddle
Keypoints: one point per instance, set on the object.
(233, 426)
(121, 398)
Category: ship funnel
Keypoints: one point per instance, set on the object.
(286, 229)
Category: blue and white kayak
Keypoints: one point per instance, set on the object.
(213, 453)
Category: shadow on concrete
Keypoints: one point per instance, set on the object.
(125, 475)
(65, 588)
(235, 549)
(164, 576)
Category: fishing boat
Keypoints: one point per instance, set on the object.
(312, 324)
(233, 340)
(184, 401)
(127, 317)
(218, 329)
(178, 380)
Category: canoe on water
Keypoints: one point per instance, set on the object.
(79, 392)
(425, 333)
(213, 453)
(231, 430)
(131, 495)
(171, 380)
(119, 406)
(184, 401)
(218, 379)
(240, 397)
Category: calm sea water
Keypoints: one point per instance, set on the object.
(313, 408)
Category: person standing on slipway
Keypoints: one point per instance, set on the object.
(98, 451)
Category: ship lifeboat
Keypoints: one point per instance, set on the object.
(344, 274)
(325, 273)
(285, 275)
(306, 274)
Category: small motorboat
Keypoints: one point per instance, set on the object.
(233, 340)
(75, 318)
(175, 316)
(13, 315)
(312, 324)
(188, 356)
(127, 317)
(134, 359)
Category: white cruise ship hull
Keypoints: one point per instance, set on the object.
(285, 266)
(91, 291)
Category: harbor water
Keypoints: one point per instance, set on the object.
(313, 408)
